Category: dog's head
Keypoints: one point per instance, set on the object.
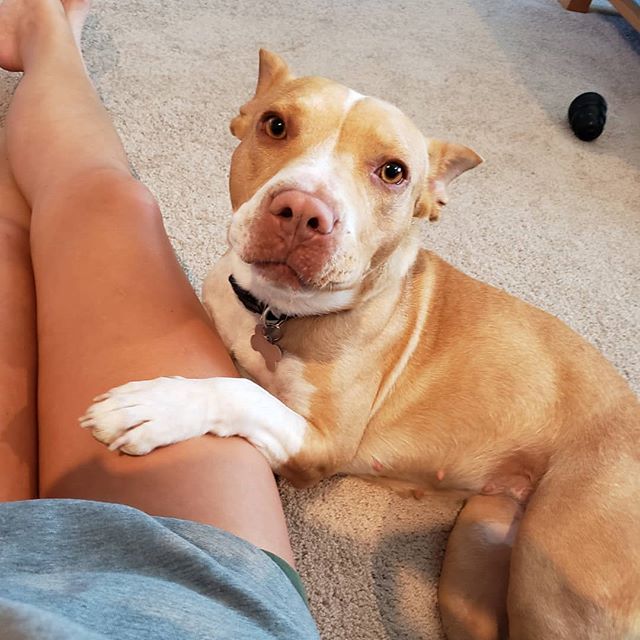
(324, 186)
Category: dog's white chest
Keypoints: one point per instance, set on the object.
(237, 326)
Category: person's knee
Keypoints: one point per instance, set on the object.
(106, 192)
(14, 242)
(117, 193)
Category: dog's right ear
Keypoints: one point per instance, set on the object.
(272, 70)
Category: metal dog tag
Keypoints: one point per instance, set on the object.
(260, 342)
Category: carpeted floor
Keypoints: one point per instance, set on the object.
(547, 217)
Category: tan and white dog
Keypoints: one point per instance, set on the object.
(365, 354)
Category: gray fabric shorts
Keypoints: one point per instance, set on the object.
(72, 569)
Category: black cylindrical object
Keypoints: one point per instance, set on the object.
(587, 115)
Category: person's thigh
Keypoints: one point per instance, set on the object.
(18, 438)
(114, 306)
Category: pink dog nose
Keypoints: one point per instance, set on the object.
(302, 214)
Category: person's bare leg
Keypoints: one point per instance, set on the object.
(18, 435)
(113, 303)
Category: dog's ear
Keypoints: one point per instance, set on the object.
(272, 70)
(447, 161)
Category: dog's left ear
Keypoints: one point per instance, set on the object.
(272, 70)
(447, 161)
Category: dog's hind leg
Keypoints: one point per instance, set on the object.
(475, 573)
(575, 570)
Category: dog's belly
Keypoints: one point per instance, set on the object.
(515, 476)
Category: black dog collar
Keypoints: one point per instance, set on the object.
(254, 305)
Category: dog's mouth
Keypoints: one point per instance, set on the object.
(280, 273)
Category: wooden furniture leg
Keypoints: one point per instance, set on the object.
(576, 5)
(628, 9)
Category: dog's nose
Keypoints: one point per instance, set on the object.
(302, 214)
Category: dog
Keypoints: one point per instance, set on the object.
(364, 354)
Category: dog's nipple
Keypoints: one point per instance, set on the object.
(440, 475)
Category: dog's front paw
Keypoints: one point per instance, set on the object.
(140, 416)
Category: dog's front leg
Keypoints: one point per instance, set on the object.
(140, 416)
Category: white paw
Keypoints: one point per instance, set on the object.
(140, 416)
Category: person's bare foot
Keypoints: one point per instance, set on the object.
(22, 22)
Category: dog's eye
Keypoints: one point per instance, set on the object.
(393, 172)
(275, 127)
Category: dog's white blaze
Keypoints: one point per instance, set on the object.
(412, 343)
(351, 99)
(314, 172)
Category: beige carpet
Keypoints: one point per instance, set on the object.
(548, 217)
